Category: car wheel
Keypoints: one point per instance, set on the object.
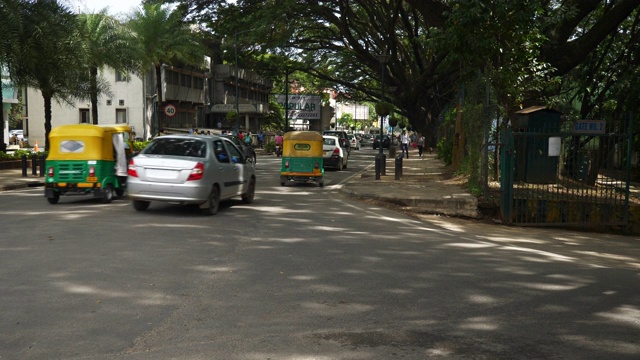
(108, 194)
(213, 203)
(55, 198)
(247, 197)
(140, 205)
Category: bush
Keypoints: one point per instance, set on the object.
(270, 147)
(17, 155)
(139, 145)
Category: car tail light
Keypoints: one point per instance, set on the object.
(197, 173)
(286, 165)
(131, 169)
(50, 172)
(336, 151)
(92, 171)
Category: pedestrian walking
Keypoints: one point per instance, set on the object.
(260, 139)
(404, 139)
(420, 142)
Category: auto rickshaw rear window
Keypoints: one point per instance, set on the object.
(177, 147)
(71, 147)
(302, 147)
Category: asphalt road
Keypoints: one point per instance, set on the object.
(304, 273)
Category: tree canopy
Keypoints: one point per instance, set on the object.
(434, 45)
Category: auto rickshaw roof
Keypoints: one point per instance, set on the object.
(87, 130)
(303, 135)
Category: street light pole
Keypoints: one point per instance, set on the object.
(381, 168)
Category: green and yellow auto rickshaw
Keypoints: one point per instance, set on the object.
(87, 160)
(302, 158)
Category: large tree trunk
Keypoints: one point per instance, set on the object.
(159, 84)
(93, 90)
(47, 120)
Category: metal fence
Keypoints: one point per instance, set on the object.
(572, 177)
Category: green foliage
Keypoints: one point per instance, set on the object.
(139, 145)
(346, 120)
(17, 155)
(444, 150)
(384, 108)
(270, 147)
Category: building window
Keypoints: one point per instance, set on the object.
(198, 83)
(121, 102)
(121, 116)
(186, 80)
(109, 102)
(84, 116)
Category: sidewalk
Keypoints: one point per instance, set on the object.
(421, 188)
(11, 179)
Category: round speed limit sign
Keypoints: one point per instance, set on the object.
(170, 110)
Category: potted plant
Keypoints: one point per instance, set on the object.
(384, 108)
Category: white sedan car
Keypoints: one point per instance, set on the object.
(355, 143)
(335, 156)
(190, 169)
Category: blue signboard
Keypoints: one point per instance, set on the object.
(589, 127)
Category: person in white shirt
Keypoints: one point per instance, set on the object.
(404, 139)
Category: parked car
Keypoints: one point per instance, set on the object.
(190, 169)
(366, 140)
(354, 142)
(246, 149)
(342, 135)
(335, 156)
(386, 141)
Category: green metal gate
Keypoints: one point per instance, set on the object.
(572, 177)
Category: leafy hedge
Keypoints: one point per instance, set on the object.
(17, 155)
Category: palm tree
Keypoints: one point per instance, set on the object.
(49, 58)
(106, 43)
(164, 38)
(9, 45)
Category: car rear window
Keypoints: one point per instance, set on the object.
(329, 141)
(177, 147)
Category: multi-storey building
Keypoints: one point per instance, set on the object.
(190, 98)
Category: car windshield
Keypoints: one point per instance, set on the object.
(328, 141)
(177, 147)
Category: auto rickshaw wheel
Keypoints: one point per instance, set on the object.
(108, 194)
(140, 205)
(213, 203)
(321, 183)
(247, 197)
(55, 198)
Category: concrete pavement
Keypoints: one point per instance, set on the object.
(421, 188)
